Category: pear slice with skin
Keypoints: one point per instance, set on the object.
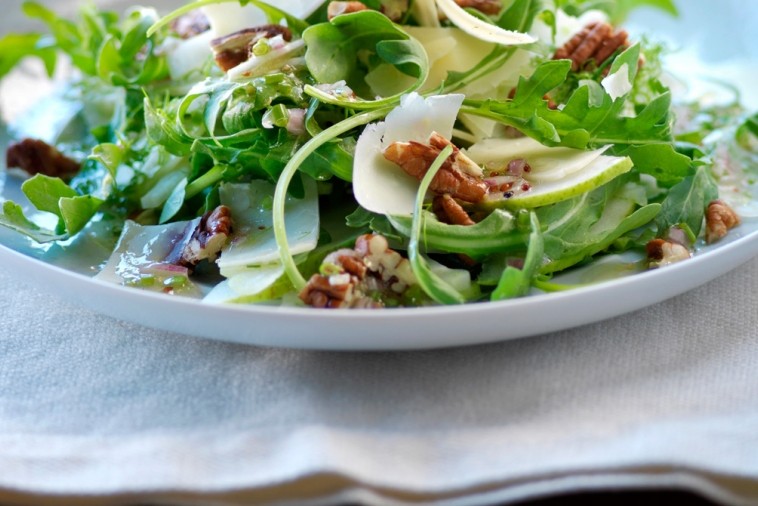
(556, 173)
(601, 171)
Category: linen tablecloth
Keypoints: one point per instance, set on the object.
(663, 397)
(97, 411)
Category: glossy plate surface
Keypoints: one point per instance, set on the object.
(68, 274)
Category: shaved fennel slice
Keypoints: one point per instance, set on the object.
(481, 29)
(381, 186)
(253, 242)
(547, 163)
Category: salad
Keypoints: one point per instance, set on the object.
(382, 153)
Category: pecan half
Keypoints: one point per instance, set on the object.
(661, 252)
(235, 48)
(209, 237)
(489, 7)
(719, 219)
(595, 42)
(38, 157)
(352, 278)
(454, 177)
(191, 24)
(337, 8)
(448, 210)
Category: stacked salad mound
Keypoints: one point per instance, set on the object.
(369, 154)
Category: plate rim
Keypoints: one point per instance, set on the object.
(674, 278)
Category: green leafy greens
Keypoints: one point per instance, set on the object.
(163, 150)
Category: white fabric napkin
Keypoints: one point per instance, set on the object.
(93, 408)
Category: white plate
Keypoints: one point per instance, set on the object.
(395, 329)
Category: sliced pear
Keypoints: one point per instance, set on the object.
(556, 174)
(594, 175)
(250, 285)
(547, 163)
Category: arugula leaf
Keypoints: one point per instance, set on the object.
(622, 8)
(45, 192)
(333, 158)
(499, 232)
(15, 47)
(161, 129)
(352, 44)
(77, 211)
(288, 174)
(580, 228)
(660, 161)
(101, 45)
(174, 202)
(518, 17)
(618, 10)
(516, 282)
(687, 201)
(590, 117)
(749, 125)
(13, 218)
(51, 195)
(432, 284)
(274, 14)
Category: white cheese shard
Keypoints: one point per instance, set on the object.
(253, 242)
(618, 84)
(379, 185)
(226, 18)
(187, 57)
(481, 29)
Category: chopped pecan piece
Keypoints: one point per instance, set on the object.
(350, 278)
(661, 252)
(209, 237)
(596, 42)
(38, 157)
(394, 9)
(489, 7)
(235, 48)
(454, 177)
(719, 219)
(336, 8)
(322, 292)
(191, 24)
(449, 211)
